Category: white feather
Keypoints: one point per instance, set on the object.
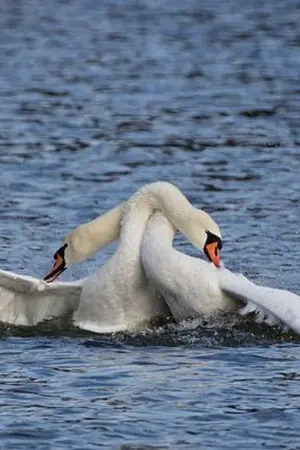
(272, 305)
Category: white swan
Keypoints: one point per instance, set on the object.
(189, 285)
(193, 287)
(119, 296)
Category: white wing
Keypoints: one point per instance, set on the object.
(271, 305)
(26, 300)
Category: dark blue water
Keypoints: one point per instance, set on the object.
(96, 99)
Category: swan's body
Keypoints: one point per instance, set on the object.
(272, 306)
(119, 296)
(189, 285)
(27, 300)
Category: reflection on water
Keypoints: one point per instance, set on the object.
(98, 99)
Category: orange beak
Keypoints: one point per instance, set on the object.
(212, 251)
(59, 265)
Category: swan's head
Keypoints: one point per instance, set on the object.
(205, 234)
(59, 265)
(76, 247)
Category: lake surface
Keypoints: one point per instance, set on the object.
(98, 98)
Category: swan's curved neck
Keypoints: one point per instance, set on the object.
(130, 219)
(161, 196)
(168, 199)
(86, 239)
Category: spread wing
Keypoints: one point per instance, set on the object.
(272, 306)
(25, 300)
